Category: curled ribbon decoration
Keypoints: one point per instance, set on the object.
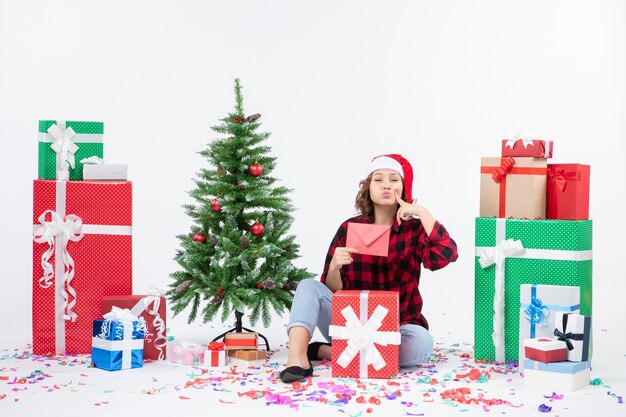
(216, 346)
(59, 232)
(151, 305)
(537, 313)
(64, 146)
(505, 167)
(363, 337)
(497, 256)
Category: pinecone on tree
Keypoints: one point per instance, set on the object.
(269, 284)
(218, 298)
(213, 240)
(252, 117)
(183, 286)
(245, 242)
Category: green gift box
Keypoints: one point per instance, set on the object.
(511, 252)
(84, 140)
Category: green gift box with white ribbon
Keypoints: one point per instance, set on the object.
(511, 252)
(63, 144)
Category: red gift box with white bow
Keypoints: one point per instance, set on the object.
(365, 331)
(82, 252)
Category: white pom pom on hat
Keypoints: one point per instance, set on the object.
(397, 163)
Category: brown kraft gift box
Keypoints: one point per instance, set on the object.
(513, 187)
(247, 355)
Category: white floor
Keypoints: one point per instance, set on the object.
(32, 386)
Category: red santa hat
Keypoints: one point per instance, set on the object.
(397, 163)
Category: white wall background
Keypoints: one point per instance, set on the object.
(337, 82)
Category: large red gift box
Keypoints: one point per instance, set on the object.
(527, 147)
(82, 252)
(365, 332)
(152, 309)
(568, 192)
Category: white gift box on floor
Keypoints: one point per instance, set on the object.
(566, 376)
(105, 172)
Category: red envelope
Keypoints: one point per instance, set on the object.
(369, 239)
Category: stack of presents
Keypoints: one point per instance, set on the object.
(533, 265)
(236, 345)
(82, 255)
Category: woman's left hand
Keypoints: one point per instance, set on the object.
(406, 211)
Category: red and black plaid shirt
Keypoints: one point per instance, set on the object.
(400, 270)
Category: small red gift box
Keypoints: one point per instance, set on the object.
(568, 192)
(152, 309)
(82, 252)
(365, 331)
(527, 147)
(243, 340)
(545, 350)
(215, 355)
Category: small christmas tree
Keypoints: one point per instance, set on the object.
(239, 253)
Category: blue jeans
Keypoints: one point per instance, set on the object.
(311, 308)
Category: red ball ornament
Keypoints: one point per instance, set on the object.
(241, 187)
(215, 205)
(255, 169)
(199, 237)
(236, 119)
(257, 229)
(220, 289)
(259, 286)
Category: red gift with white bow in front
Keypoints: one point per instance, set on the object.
(82, 252)
(365, 332)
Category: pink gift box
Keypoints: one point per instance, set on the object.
(187, 353)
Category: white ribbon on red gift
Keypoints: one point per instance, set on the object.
(362, 335)
(154, 300)
(71, 228)
(65, 148)
(61, 230)
(518, 137)
(490, 255)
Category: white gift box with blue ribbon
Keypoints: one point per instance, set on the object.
(538, 307)
(568, 376)
(117, 341)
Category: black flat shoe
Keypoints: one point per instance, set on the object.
(313, 350)
(295, 373)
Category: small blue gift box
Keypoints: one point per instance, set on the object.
(117, 344)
